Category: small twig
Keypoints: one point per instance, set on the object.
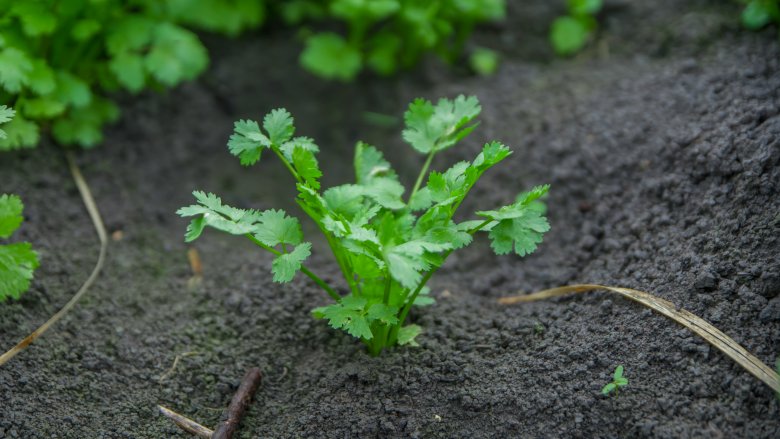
(172, 369)
(97, 221)
(238, 404)
(186, 424)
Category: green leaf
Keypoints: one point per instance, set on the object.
(17, 261)
(83, 126)
(407, 335)
(384, 50)
(328, 55)
(305, 143)
(621, 382)
(11, 208)
(129, 70)
(35, 17)
(132, 33)
(6, 114)
(406, 261)
(424, 298)
(618, 373)
(277, 228)
(287, 265)
(585, 7)
(176, 55)
(521, 225)
(569, 34)
(345, 200)
(85, 29)
(15, 68)
(484, 61)
(435, 128)
(72, 90)
(758, 13)
(370, 164)
(348, 315)
(17, 264)
(608, 388)
(42, 108)
(41, 78)
(306, 165)
(384, 313)
(247, 142)
(279, 126)
(20, 133)
(386, 192)
(219, 216)
(195, 229)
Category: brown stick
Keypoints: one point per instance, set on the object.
(238, 404)
(186, 424)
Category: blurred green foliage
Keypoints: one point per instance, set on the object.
(570, 33)
(760, 13)
(387, 35)
(60, 59)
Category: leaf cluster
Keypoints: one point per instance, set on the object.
(386, 246)
(570, 33)
(18, 261)
(59, 59)
(388, 35)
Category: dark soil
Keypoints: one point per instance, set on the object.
(661, 145)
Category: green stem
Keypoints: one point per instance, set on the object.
(287, 164)
(334, 249)
(423, 172)
(410, 301)
(331, 292)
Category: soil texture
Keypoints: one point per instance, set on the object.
(661, 145)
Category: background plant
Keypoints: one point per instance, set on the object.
(570, 33)
(387, 247)
(60, 58)
(387, 35)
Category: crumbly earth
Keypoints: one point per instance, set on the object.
(661, 145)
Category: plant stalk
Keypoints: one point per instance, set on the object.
(423, 172)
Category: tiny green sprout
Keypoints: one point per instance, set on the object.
(538, 328)
(618, 381)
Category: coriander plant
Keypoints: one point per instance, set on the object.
(386, 245)
(618, 381)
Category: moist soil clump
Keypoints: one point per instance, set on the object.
(661, 146)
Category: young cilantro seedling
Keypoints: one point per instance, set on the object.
(387, 246)
(618, 381)
(18, 261)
